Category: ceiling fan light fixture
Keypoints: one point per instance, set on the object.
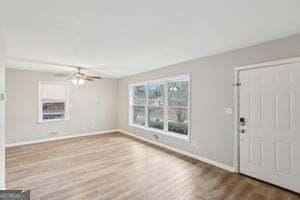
(80, 78)
(75, 81)
(78, 81)
(81, 81)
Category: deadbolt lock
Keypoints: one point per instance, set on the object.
(242, 121)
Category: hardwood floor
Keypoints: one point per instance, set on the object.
(115, 167)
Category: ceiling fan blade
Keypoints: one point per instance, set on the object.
(87, 78)
(79, 75)
(94, 77)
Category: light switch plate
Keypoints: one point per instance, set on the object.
(229, 111)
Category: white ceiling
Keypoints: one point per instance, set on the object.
(121, 38)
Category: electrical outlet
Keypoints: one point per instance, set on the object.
(54, 133)
(194, 143)
(156, 137)
(92, 126)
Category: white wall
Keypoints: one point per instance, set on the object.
(2, 124)
(211, 93)
(94, 107)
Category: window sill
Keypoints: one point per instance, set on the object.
(166, 133)
(51, 121)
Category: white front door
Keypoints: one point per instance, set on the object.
(270, 124)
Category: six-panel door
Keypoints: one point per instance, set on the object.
(270, 144)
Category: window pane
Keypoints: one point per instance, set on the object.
(178, 93)
(53, 110)
(178, 120)
(139, 115)
(155, 118)
(156, 94)
(139, 96)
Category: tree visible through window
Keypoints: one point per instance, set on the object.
(178, 98)
(161, 105)
(155, 105)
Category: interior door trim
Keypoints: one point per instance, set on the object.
(236, 84)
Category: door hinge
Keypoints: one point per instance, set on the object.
(237, 84)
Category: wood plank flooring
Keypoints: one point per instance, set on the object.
(118, 167)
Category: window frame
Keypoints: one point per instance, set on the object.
(67, 102)
(165, 107)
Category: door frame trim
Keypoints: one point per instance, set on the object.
(237, 70)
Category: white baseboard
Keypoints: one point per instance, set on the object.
(197, 157)
(61, 138)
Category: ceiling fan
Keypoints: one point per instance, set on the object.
(79, 77)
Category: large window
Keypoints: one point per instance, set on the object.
(161, 105)
(53, 101)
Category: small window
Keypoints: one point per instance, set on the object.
(156, 118)
(178, 120)
(140, 95)
(178, 100)
(178, 93)
(139, 115)
(156, 94)
(53, 101)
(161, 105)
(139, 102)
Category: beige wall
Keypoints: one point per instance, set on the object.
(212, 134)
(94, 107)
